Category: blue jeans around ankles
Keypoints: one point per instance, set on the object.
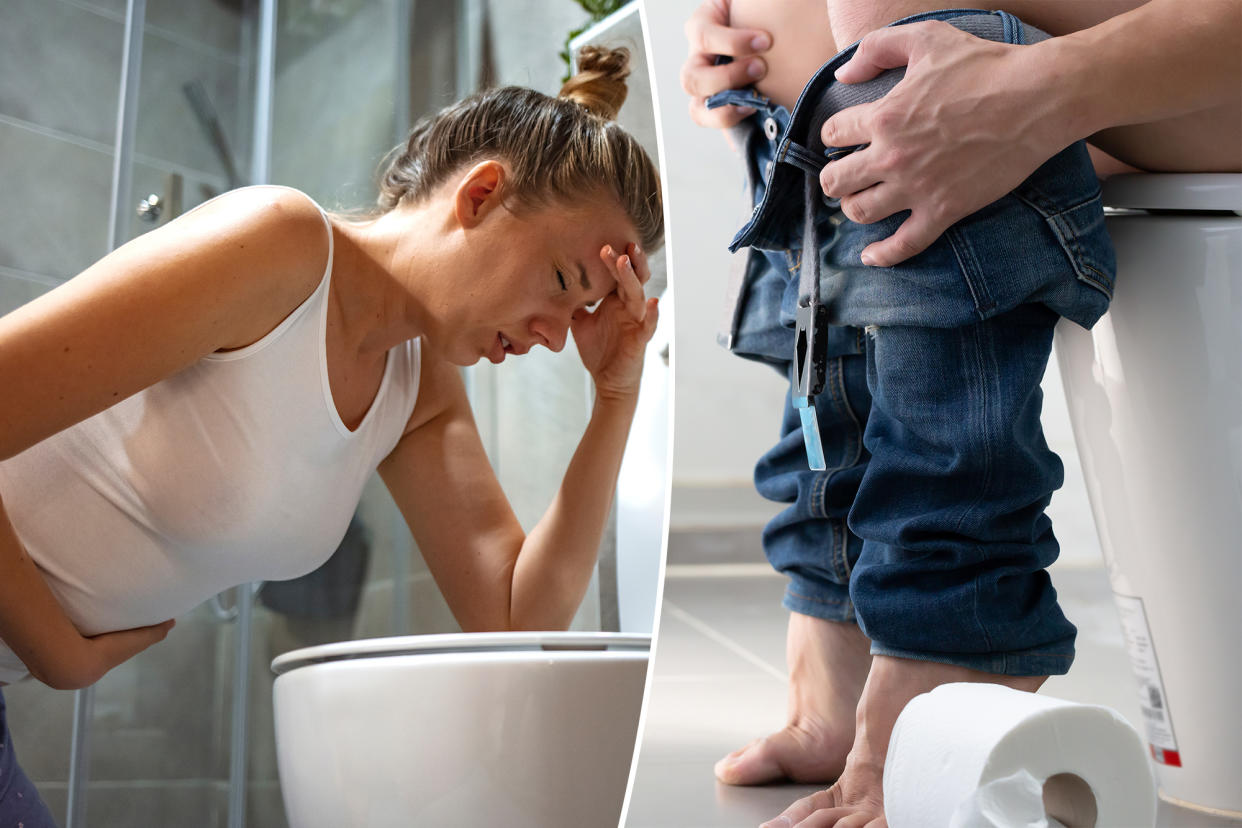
(20, 804)
(949, 490)
(809, 541)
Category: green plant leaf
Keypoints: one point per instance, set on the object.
(598, 9)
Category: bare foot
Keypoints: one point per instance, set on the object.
(828, 663)
(857, 798)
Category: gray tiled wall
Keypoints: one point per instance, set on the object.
(160, 730)
(60, 66)
(59, 70)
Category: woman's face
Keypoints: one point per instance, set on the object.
(523, 274)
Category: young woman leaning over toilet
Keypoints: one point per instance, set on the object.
(201, 407)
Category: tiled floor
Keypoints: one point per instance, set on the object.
(719, 682)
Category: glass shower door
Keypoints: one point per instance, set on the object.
(152, 739)
(304, 94)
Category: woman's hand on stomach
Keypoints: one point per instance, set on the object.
(98, 654)
(35, 626)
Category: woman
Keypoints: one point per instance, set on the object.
(202, 406)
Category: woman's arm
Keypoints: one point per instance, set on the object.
(218, 277)
(35, 627)
(559, 554)
(492, 574)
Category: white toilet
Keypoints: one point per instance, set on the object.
(1155, 399)
(524, 730)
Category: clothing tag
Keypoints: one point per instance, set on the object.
(810, 433)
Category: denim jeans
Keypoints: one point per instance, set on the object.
(20, 804)
(928, 525)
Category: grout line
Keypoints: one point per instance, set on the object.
(197, 176)
(113, 785)
(381, 584)
(107, 14)
(706, 678)
(57, 134)
(30, 276)
(721, 570)
(176, 38)
(204, 49)
(724, 640)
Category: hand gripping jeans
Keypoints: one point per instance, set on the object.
(928, 526)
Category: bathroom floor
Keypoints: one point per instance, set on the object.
(719, 681)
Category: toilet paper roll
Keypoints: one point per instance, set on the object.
(985, 756)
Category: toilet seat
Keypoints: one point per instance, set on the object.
(524, 729)
(459, 643)
(1206, 192)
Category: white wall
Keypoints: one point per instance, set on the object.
(727, 410)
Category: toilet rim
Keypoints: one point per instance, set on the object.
(460, 643)
(1206, 192)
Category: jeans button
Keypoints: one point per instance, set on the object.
(770, 128)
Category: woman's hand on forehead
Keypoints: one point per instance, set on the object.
(631, 272)
(612, 338)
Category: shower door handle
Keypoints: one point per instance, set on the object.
(160, 209)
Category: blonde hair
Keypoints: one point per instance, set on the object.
(564, 149)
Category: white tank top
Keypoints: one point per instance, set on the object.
(237, 468)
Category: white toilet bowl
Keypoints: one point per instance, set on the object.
(1155, 398)
(512, 729)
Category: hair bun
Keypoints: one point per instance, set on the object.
(599, 85)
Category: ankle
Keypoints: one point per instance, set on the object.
(828, 661)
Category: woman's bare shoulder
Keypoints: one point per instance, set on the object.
(263, 203)
(269, 243)
(219, 277)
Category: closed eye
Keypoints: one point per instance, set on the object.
(560, 277)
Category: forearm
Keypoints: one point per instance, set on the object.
(557, 557)
(1164, 59)
(32, 622)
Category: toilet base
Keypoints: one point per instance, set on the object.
(521, 738)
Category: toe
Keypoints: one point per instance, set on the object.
(803, 808)
(754, 764)
(830, 818)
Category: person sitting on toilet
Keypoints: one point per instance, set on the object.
(202, 407)
(917, 557)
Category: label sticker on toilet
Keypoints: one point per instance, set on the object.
(1152, 700)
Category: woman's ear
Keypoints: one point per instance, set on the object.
(479, 192)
